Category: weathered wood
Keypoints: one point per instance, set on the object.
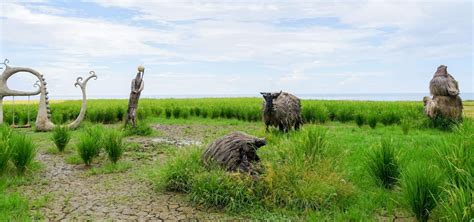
(445, 102)
(136, 89)
(282, 110)
(235, 152)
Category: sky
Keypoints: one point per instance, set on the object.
(238, 47)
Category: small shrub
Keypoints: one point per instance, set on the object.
(5, 153)
(421, 189)
(359, 119)
(405, 125)
(61, 136)
(87, 148)
(383, 165)
(113, 144)
(23, 151)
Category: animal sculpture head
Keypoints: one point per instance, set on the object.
(269, 97)
(441, 71)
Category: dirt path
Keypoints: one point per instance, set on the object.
(69, 193)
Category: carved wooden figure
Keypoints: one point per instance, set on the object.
(137, 87)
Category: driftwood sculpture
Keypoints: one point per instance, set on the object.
(43, 122)
(137, 87)
(282, 110)
(235, 152)
(446, 102)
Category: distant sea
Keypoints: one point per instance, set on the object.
(363, 97)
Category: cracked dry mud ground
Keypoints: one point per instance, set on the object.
(71, 194)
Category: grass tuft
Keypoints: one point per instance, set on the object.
(311, 144)
(421, 188)
(383, 165)
(360, 120)
(87, 148)
(61, 136)
(113, 144)
(178, 173)
(405, 125)
(23, 151)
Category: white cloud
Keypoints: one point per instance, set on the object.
(361, 37)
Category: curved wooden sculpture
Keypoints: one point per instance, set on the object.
(43, 122)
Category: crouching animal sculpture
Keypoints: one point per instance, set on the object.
(443, 106)
(282, 110)
(235, 152)
(446, 102)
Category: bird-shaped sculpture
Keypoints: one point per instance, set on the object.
(443, 84)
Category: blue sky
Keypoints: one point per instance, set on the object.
(216, 47)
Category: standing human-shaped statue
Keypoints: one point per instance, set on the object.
(137, 87)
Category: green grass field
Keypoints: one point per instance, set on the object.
(302, 179)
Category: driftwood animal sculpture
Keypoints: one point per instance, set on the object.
(43, 122)
(443, 84)
(449, 107)
(137, 87)
(235, 152)
(282, 110)
(446, 102)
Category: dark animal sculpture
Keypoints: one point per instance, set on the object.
(282, 110)
(446, 102)
(443, 84)
(235, 152)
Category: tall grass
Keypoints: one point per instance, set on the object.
(5, 153)
(178, 173)
(248, 109)
(13, 207)
(421, 189)
(405, 124)
(383, 165)
(113, 144)
(5, 150)
(311, 144)
(23, 151)
(61, 136)
(455, 157)
(359, 119)
(297, 175)
(372, 120)
(87, 148)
